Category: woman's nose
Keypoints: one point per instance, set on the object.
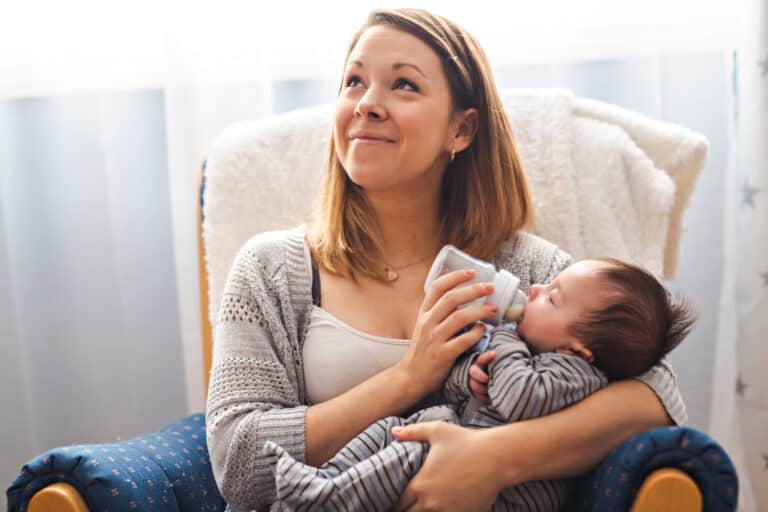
(370, 108)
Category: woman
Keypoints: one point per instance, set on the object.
(421, 155)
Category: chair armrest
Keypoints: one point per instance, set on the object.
(167, 470)
(615, 483)
(58, 497)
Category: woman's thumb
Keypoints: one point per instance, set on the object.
(415, 432)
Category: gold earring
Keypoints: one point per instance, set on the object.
(453, 154)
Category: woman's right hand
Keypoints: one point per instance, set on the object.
(434, 346)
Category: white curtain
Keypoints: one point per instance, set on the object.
(740, 397)
(106, 110)
(88, 311)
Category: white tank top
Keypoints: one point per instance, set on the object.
(337, 356)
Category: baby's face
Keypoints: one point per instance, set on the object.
(553, 308)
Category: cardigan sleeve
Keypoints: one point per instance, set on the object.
(251, 397)
(662, 380)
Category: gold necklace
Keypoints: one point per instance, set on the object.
(392, 272)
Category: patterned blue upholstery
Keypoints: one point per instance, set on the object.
(614, 484)
(168, 470)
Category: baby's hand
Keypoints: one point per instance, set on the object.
(478, 376)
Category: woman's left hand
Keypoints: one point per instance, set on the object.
(458, 473)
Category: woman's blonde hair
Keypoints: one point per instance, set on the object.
(484, 198)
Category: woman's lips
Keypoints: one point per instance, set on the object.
(368, 137)
(370, 141)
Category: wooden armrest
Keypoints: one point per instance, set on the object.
(58, 497)
(668, 490)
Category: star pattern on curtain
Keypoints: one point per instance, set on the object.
(740, 386)
(748, 194)
(749, 422)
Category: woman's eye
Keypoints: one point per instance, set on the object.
(406, 85)
(354, 81)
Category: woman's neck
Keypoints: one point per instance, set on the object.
(410, 226)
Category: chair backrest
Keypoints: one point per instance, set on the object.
(605, 181)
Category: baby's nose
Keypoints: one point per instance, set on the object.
(534, 291)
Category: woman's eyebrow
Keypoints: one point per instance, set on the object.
(396, 65)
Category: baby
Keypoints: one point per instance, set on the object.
(598, 320)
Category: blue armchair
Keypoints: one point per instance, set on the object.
(166, 470)
(665, 469)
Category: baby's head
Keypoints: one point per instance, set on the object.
(615, 315)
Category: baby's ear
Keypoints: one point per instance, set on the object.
(575, 348)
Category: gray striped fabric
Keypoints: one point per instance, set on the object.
(372, 470)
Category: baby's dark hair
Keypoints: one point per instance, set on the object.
(639, 323)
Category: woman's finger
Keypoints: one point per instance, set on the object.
(460, 344)
(456, 320)
(444, 283)
(457, 296)
(414, 432)
(456, 474)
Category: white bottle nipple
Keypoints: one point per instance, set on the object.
(515, 311)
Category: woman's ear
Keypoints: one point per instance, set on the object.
(463, 129)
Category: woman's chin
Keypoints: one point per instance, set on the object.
(369, 179)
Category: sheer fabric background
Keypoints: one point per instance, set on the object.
(739, 416)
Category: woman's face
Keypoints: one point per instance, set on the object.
(391, 127)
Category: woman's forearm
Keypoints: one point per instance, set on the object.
(574, 440)
(332, 424)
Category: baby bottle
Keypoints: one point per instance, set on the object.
(506, 294)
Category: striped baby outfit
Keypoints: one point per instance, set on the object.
(372, 470)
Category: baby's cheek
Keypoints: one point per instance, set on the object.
(526, 324)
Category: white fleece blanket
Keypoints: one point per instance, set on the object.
(605, 181)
